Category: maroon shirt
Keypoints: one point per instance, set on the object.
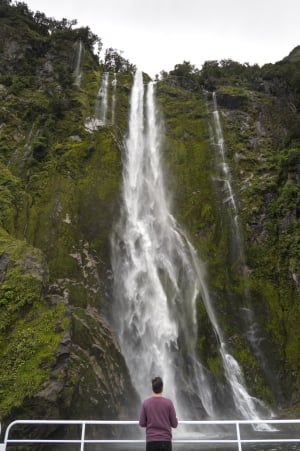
(158, 416)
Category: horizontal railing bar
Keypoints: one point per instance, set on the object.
(73, 422)
(295, 421)
(238, 421)
(15, 441)
(134, 422)
(271, 440)
(120, 441)
(28, 440)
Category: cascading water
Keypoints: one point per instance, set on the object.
(253, 332)
(224, 166)
(225, 178)
(102, 100)
(239, 254)
(101, 106)
(158, 278)
(113, 101)
(78, 73)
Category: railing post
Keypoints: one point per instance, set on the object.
(82, 437)
(2, 445)
(238, 435)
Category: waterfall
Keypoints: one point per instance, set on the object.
(246, 408)
(101, 105)
(225, 178)
(224, 166)
(159, 279)
(78, 73)
(102, 100)
(113, 101)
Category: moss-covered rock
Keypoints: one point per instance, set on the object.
(31, 327)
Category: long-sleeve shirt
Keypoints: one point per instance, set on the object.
(158, 416)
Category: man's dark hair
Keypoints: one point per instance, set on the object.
(157, 385)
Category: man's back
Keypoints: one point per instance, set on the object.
(158, 416)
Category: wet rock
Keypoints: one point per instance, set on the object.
(232, 101)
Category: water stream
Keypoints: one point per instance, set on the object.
(101, 105)
(78, 73)
(225, 179)
(113, 101)
(102, 100)
(158, 280)
(253, 332)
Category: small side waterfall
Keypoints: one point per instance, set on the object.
(225, 178)
(224, 166)
(113, 101)
(238, 254)
(159, 279)
(79, 56)
(101, 105)
(102, 100)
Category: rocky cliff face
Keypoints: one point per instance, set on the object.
(60, 197)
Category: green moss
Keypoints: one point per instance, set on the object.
(29, 354)
(78, 295)
(30, 330)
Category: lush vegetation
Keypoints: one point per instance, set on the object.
(30, 327)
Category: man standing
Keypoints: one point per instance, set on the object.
(158, 416)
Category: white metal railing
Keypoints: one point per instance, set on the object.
(238, 440)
